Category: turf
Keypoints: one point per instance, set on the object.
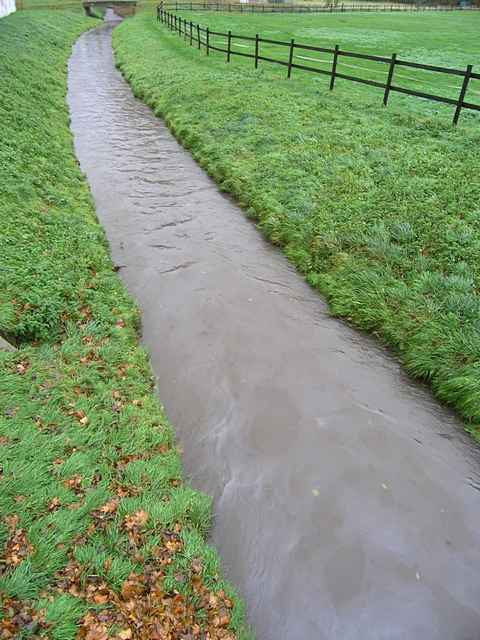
(99, 535)
(72, 5)
(428, 38)
(379, 208)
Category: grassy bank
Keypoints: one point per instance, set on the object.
(379, 208)
(99, 536)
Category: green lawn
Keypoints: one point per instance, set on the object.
(379, 208)
(99, 535)
(442, 39)
(50, 4)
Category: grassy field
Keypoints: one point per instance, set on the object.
(99, 535)
(429, 38)
(71, 5)
(379, 208)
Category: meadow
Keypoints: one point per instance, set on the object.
(99, 535)
(427, 38)
(377, 207)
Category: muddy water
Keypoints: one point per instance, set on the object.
(347, 501)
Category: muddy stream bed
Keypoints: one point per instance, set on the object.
(347, 501)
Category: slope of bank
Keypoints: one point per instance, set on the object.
(99, 536)
(378, 208)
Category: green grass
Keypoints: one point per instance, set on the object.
(91, 483)
(378, 208)
(441, 39)
(71, 5)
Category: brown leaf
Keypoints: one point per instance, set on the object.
(97, 632)
(54, 504)
(11, 521)
(17, 548)
(22, 367)
(75, 484)
(196, 565)
(138, 519)
(101, 598)
(110, 506)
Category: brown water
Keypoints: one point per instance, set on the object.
(347, 501)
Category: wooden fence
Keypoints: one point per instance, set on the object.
(328, 7)
(196, 34)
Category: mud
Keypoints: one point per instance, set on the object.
(347, 500)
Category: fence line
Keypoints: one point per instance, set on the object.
(199, 35)
(329, 7)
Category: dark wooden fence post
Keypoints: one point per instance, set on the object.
(198, 36)
(208, 41)
(334, 67)
(229, 47)
(463, 91)
(191, 33)
(389, 79)
(256, 50)
(290, 58)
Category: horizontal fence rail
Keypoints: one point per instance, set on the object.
(200, 36)
(328, 7)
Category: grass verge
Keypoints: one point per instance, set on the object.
(379, 208)
(99, 536)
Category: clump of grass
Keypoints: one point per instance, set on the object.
(378, 208)
(95, 520)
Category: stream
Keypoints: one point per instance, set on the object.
(346, 499)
